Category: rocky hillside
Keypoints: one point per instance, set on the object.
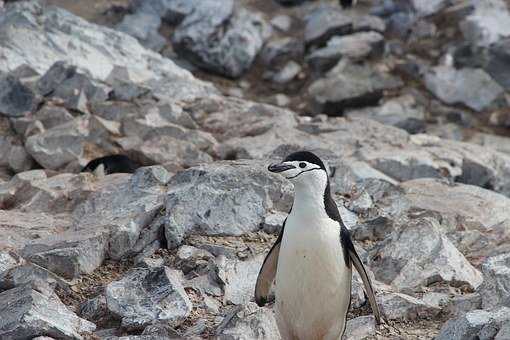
(408, 101)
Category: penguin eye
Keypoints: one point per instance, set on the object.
(302, 165)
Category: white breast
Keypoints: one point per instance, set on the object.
(313, 284)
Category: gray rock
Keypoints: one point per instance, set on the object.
(18, 228)
(31, 274)
(19, 159)
(325, 22)
(238, 278)
(165, 150)
(211, 191)
(249, 322)
(438, 300)
(362, 327)
(356, 46)
(498, 61)
(420, 255)
(273, 222)
(481, 324)
(504, 332)
(146, 295)
(462, 304)
(8, 260)
(396, 306)
(144, 27)
(348, 85)
(228, 51)
(94, 309)
(281, 22)
(424, 8)
(277, 51)
(57, 147)
(192, 259)
(288, 73)
(16, 99)
(495, 142)
(402, 112)
(489, 23)
(68, 255)
(468, 86)
(496, 284)
(31, 21)
(125, 205)
(27, 313)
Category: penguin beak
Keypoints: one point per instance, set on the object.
(280, 167)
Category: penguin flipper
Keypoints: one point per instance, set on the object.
(366, 282)
(267, 272)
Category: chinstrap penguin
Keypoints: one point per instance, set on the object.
(110, 164)
(311, 261)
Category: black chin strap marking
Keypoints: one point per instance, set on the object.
(302, 172)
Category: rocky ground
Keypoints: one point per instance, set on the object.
(408, 101)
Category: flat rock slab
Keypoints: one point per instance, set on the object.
(419, 255)
(249, 322)
(468, 86)
(147, 295)
(222, 198)
(26, 313)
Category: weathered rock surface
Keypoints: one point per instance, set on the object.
(480, 324)
(325, 22)
(249, 322)
(420, 255)
(27, 313)
(146, 295)
(362, 327)
(495, 289)
(16, 99)
(348, 85)
(400, 306)
(98, 50)
(200, 199)
(220, 37)
(471, 87)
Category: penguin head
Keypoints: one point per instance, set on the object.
(303, 169)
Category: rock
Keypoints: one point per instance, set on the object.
(348, 85)
(481, 210)
(356, 46)
(239, 278)
(289, 72)
(429, 7)
(234, 46)
(57, 147)
(165, 150)
(19, 159)
(27, 313)
(94, 309)
(144, 27)
(192, 259)
(273, 222)
(145, 295)
(504, 332)
(16, 99)
(396, 306)
(479, 324)
(489, 23)
(95, 49)
(362, 327)
(495, 142)
(8, 260)
(438, 300)
(278, 51)
(462, 304)
(211, 191)
(68, 255)
(402, 112)
(420, 255)
(463, 87)
(281, 22)
(18, 228)
(498, 61)
(495, 288)
(249, 322)
(126, 206)
(74, 89)
(325, 22)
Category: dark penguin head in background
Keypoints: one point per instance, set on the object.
(111, 164)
